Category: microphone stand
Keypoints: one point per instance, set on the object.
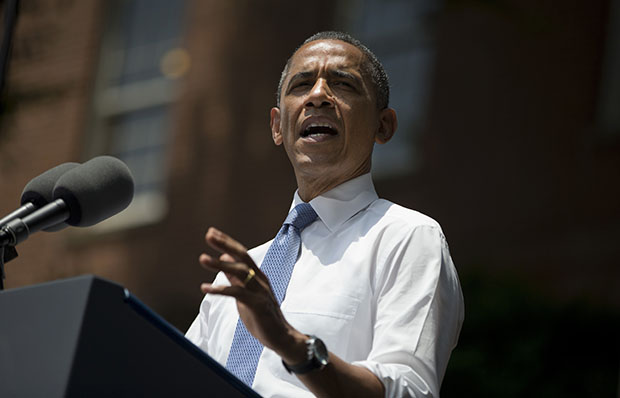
(1, 267)
(7, 253)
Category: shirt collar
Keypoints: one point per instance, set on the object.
(339, 204)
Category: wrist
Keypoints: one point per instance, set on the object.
(294, 349)
(317, 357)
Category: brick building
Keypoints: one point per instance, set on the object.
(509, 137)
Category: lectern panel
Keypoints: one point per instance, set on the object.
(89, 337)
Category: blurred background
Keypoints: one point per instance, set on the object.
(509, 136)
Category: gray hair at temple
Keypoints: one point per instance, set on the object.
(372, 66)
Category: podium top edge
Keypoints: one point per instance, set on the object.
(81, 279)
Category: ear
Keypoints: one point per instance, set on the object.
(387, 126)
(274, 123)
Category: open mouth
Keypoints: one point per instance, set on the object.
(318, 130)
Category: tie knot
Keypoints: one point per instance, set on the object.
(301, 216)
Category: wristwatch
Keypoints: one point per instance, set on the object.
(317, 357)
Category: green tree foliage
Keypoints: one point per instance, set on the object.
(516, 343)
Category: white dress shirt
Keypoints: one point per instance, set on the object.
(374, 281)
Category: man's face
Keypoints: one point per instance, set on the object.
(328, 119)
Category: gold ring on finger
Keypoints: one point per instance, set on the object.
(248, 278)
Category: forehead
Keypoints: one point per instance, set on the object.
(327, 53)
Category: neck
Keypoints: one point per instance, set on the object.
(309, 187)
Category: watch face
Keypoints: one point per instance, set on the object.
(320, 351)
(318, 357)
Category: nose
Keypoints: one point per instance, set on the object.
(320, 95)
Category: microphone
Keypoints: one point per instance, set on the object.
(83, 196)
(38, 192)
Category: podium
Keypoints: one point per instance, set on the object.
(88, 337)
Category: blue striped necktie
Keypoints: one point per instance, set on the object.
(278, 265)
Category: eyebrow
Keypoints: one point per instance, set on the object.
(301, 75)
(344, 75)
(332, 72)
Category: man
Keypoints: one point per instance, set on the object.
(371, 280)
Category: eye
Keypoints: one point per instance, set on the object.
(300, 84)
(343, 83)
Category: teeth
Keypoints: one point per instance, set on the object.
(319, 125)
(319, 128)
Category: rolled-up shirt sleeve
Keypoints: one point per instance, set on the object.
(419, 312)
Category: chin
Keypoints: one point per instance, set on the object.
(320, 161)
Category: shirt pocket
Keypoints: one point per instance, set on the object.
(328, 316)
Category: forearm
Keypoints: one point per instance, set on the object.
(341, 379)
(337, 379)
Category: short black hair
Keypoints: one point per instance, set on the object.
(372, 66)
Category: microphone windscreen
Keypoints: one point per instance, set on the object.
(96, 190)
(39, 191)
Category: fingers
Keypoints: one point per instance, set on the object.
(230, 268)
(236, 264)
(226, 257)
(227, 245)
(232, 291)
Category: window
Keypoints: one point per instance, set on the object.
(140, 63)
